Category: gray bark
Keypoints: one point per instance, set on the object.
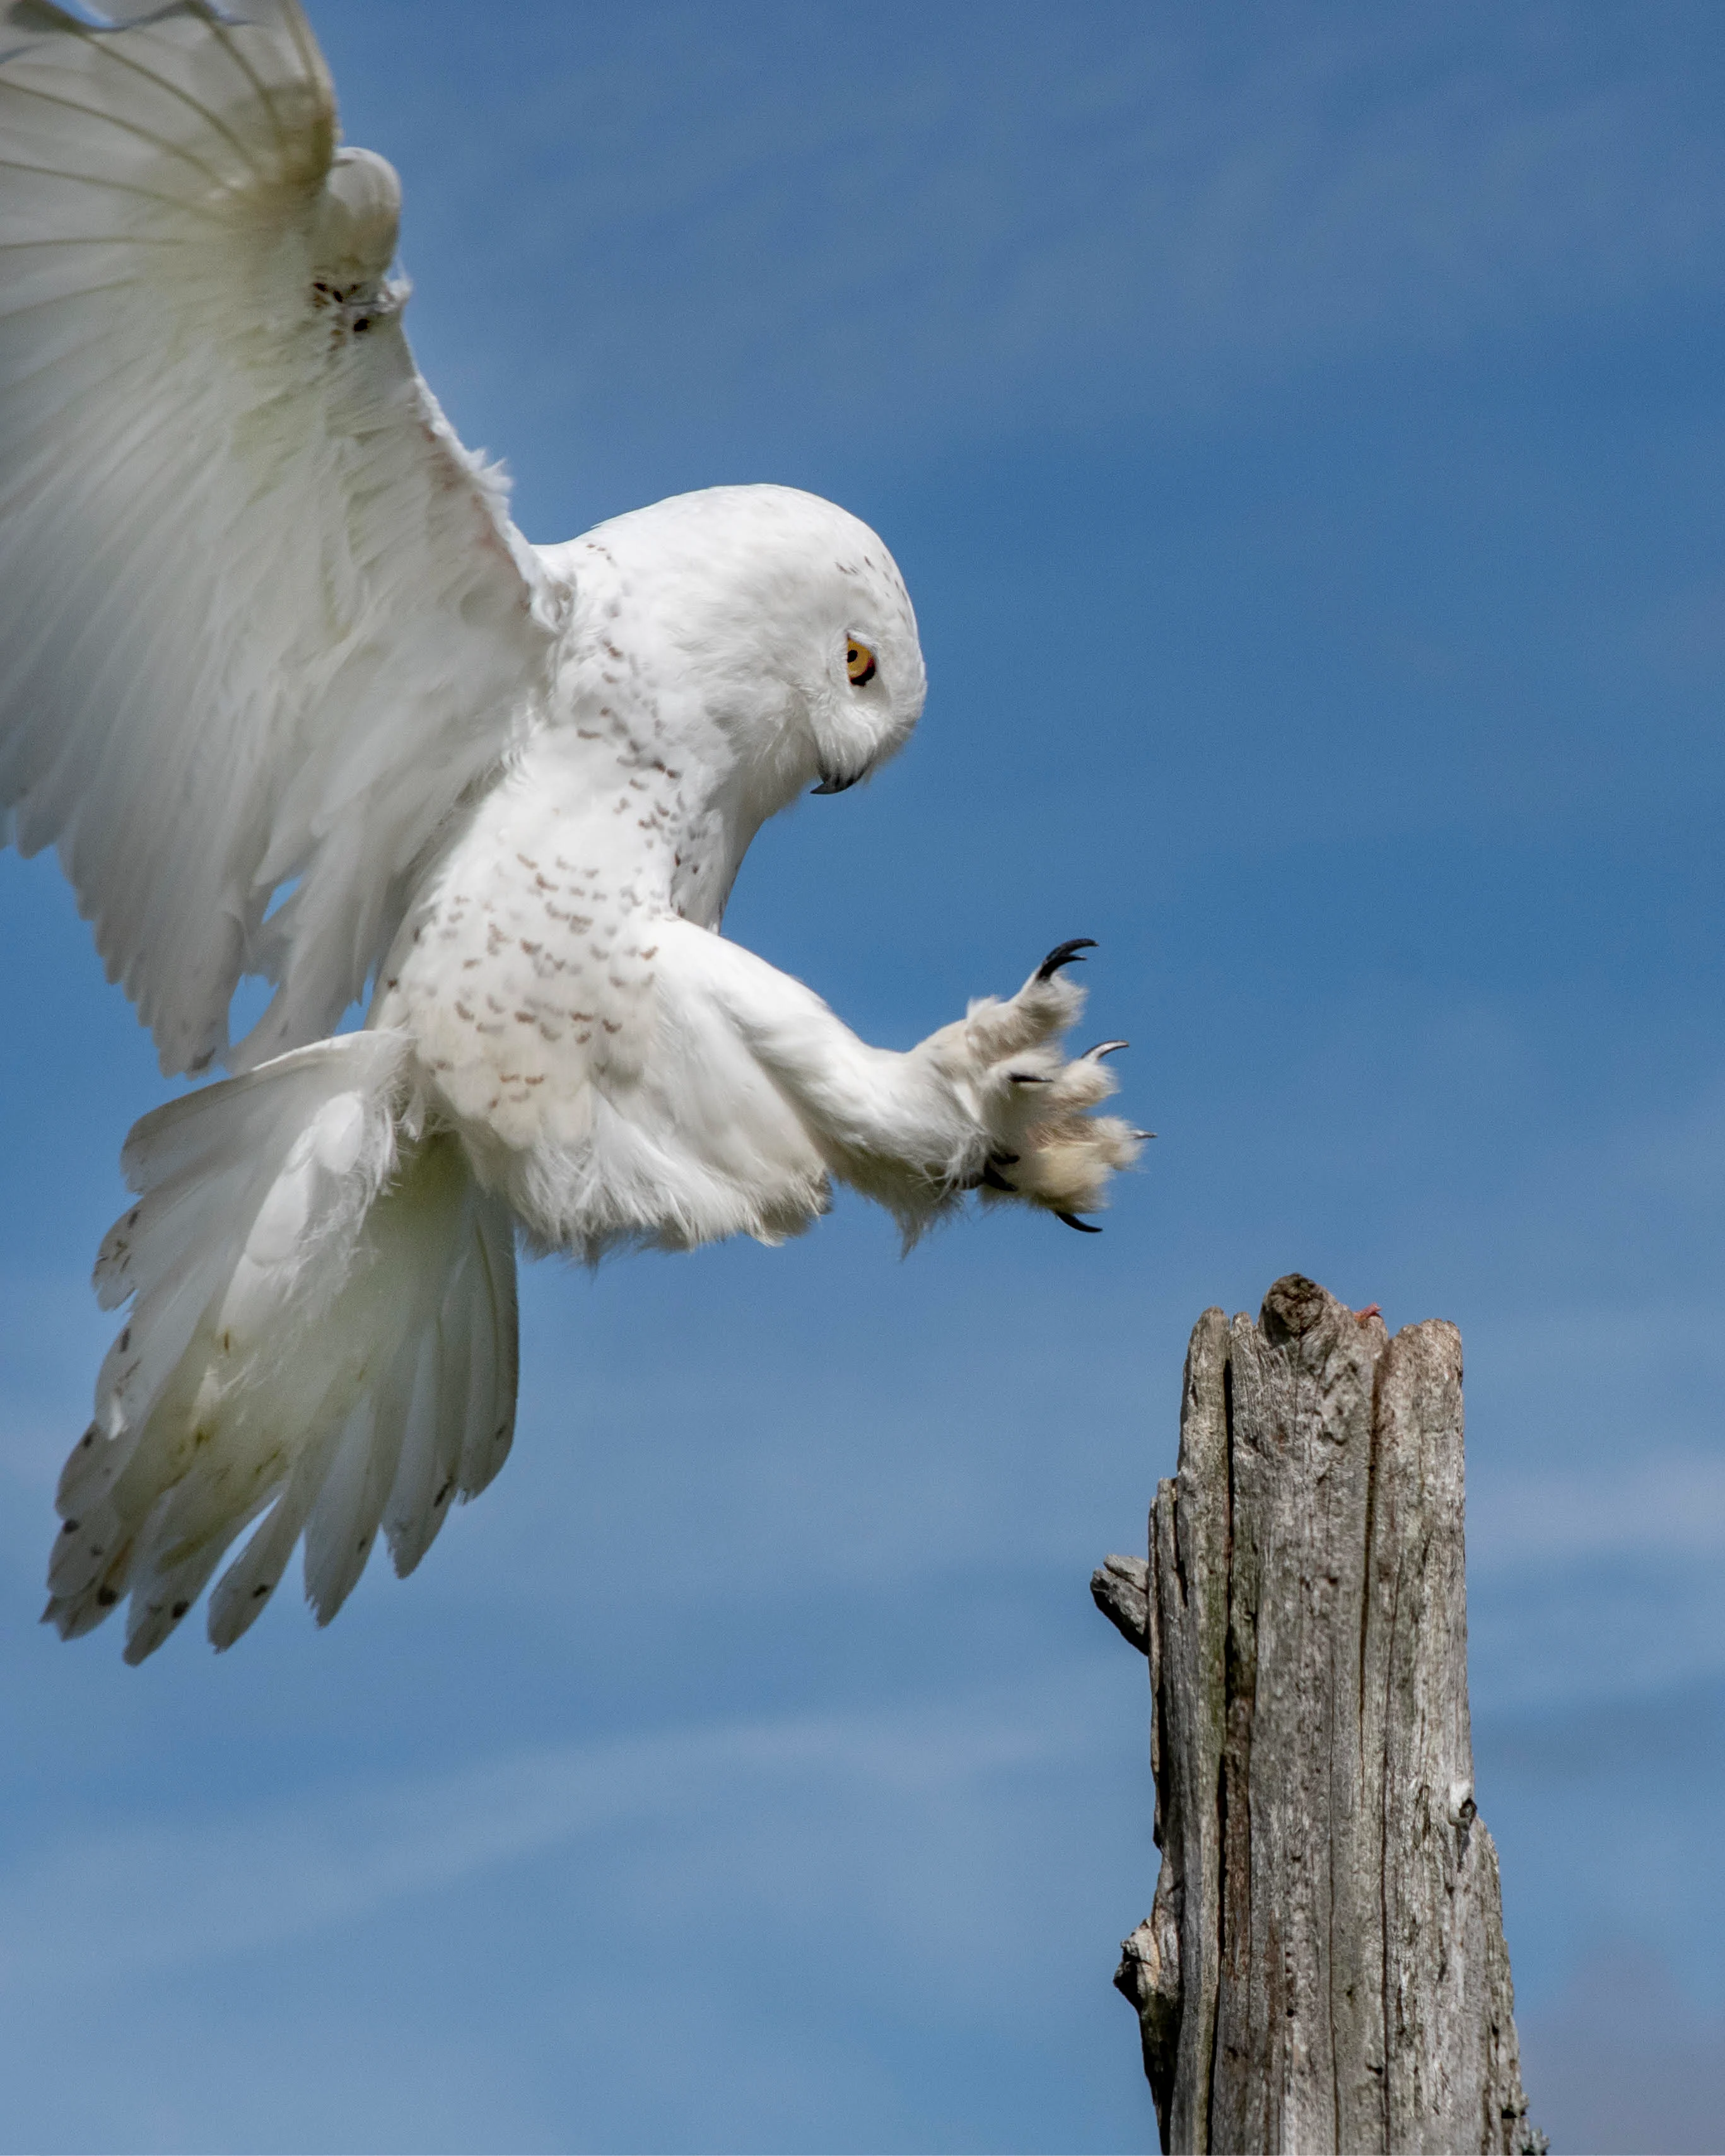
(1324, 1967)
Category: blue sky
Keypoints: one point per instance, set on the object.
(1302, 431)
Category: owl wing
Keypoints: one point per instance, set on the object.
(263, 619)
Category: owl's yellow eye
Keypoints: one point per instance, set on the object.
(859, 662)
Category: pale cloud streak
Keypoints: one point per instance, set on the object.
(166, 1894)
(1009, 208)
(1670, 1505)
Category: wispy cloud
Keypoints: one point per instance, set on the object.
(1012, 203)
(1670, 1505)
(109, 1906)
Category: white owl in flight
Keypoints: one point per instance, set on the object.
(293, 697)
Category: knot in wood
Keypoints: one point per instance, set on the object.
(1293, 1306)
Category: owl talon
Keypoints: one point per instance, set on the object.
(1102, 1049)
(1084, 1227)
(1065, 954)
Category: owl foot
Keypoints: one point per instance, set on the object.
(1047, 1149)
(1038, 1141)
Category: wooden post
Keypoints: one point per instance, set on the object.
(1324, 1967)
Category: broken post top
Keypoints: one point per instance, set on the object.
(1333, 1345)
(1296, 1306)
(1324, 1340)
(1324, 1966)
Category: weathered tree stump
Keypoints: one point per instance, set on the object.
(1324, 1967)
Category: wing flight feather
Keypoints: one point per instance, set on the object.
(263, 619)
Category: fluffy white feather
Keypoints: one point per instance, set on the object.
(251, 587)
(263, 623)
(323, 1320)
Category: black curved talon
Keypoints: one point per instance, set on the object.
(1143, 1134)
(1004, 1159)
(1102, 1049)
(995, 1180)
(1028, 1078)
(1065, 954)
(1084, 1227)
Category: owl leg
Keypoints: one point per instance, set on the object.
(989, 1103)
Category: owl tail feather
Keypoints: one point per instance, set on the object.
(322, 1331)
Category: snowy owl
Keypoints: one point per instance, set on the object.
(294, 698)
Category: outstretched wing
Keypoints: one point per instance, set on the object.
(262, 617)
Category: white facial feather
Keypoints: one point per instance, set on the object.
(736, 606)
